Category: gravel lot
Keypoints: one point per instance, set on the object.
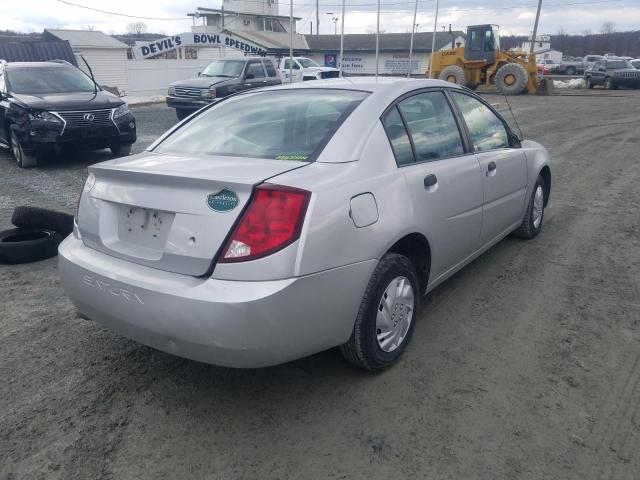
(524, 365)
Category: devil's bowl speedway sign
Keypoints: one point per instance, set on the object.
(189, 39)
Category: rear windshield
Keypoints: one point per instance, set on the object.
(283, 125)
(48, 80)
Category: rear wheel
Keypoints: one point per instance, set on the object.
(511, 79)
(453, 74)
(387, 314)
(23, 159)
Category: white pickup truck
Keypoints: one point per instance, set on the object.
(305, 69)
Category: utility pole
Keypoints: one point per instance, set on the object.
(342, 36)
(317, 17)
(535, 28)
(413, 29)
(290, 41)
(377, 38)
(433, 40)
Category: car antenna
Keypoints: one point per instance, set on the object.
(95, 85)
(513, 116)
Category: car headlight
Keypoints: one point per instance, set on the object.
(45, 117)
(208, 92)
(172, 90)
(121, 111)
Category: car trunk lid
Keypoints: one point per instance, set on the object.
(168, 212)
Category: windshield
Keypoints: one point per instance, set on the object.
(307, 62)
(496, 37)
(48, 80)
(224, 68)
(619, 64)
(282, 125)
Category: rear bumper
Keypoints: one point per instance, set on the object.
(229, 323)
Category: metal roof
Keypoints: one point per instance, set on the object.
(388, 41)
(83, 38)
(31, 51)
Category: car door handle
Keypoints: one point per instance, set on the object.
(430, 181)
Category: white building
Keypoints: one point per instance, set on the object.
(542, 49)
(106, 55)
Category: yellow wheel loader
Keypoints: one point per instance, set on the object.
(480, 62)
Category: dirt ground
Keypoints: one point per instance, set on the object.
(525, 365)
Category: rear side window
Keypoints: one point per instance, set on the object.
(271, 71)
(255, 68)
(486, 130)
(432, 126)
(283, 125)
(398, 136)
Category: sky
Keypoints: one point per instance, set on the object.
(515, 17)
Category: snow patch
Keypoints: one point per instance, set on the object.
(573, 83)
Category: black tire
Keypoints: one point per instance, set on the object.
(363, 349)
(589, 82)
(453, 74)
(182, 114)
(609, 85)
(511, 79)
(31, 218)
(121, 150)
(527, 228)
(24, 160)
(23, 246)
(571, 71)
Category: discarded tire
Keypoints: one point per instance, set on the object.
(511, 79)
(18, 245)
(34, 218)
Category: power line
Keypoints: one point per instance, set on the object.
(119, 14)
(356, 5)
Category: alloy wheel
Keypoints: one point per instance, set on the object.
(17, 149)
(538, 207)
(395, 314)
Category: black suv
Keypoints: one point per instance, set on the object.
(48, 105)
(612, 74)
(219, 79)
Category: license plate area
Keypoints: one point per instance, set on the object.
(144, 227)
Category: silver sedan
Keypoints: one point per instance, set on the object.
(282, 222)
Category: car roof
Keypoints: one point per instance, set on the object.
(369, 84)
(37, 64)
(241, 59)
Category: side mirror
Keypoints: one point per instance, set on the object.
(249, 76)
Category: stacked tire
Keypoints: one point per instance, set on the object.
(36, 237)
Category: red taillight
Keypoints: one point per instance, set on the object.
(272, 221)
